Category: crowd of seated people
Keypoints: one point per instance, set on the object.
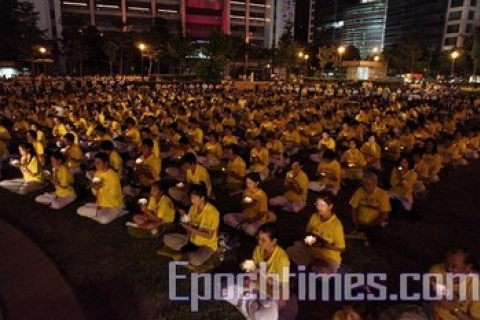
(57, 132)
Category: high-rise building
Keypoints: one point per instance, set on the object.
(423, 21)
(461, 19)
(260, 22)
(328, 21)
(364, 25)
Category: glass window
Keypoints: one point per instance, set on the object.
(469, 28)
(451, 41)
(453, 28)
(456, 3)
(473, 3)
(455, 15)
(471, 15)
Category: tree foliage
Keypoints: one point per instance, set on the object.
(19, 35)
(287, 50)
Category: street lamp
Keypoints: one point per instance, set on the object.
(375, 50)
(376, 58)
(454, 55)
(142, 47)
(43, 51)
(300, 54)
(341, 51)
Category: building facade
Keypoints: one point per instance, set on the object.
(327, 17)
(259, 22)
(420, 20)
(364, 26)
(461, 19)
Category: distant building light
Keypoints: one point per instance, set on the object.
(108, 6)
(138, 9)
(167, 11)
(76, 4)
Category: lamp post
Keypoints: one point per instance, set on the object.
(341, 51)
(305, 57)
(376, 58)
(454, 55)
(43, 51)
(142, 47)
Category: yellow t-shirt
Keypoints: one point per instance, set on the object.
(163, 209)
(259, 204)
(278, 263)
(263, 155)
(277, 147)
(116, 162)
(196, 135)
(332, 232)
(422, 170)
(133, 135)
(291, 137)
(213, 149)
(369, 206)
(229, 140)
(153, 163)
(3, 149)
(327, 143)
(59, 130)
(403, 185)
(434, 162)
(200, 175)
(207, 219)
(4, 134)
(110, 194)
(468, 306)
(75, 156)
(65, 180)
(355, 157)
(36, 170)
(302, 180)
(330, 167)
(238, 167)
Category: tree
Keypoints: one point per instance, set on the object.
(407, 57)
(110, 49)
(179, 50)
(327, 55)
(351, 53)
(475, 52)
(286, 53)
(20, 34)
(219, 50)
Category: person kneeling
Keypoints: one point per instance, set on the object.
(324, 242)
(157, 213)
(61, 178)
(201, 224)
(107, 189)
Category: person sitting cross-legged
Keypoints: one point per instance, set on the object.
(158, 213)
(108, 192)
(370, 207)
(235, 170)
(32, 174)
(456, 282)
(324, 241)
(147, 169)
(195, 174)
(201, 240)
(255, 212)
(329, 172)
(62, 179)
(296, 183)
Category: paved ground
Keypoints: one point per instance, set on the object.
(117, 277)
